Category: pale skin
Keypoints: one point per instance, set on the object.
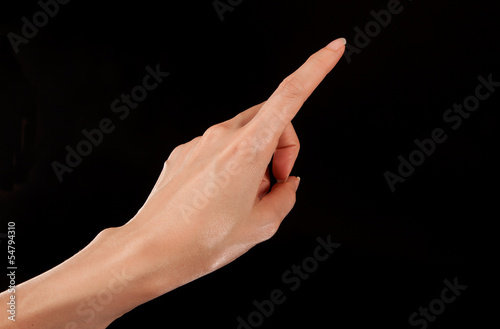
(212, 202)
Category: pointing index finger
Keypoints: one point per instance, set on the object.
(291, 94)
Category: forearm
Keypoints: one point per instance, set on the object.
(119, 270)
(90, 290)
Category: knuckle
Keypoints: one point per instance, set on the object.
(192, 143)
(292, 87)
(215, 131)
(106, 234)
(240, 118)
(296, 146)
(181, 150)
(166, 164)
(175, 152)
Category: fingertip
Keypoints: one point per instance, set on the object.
(295, 181)
(337, 44)
(281, 199)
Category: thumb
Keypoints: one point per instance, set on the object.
(276, 204)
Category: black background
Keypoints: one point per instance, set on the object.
(396, 248)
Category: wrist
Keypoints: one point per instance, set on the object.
(165, 259)
(147, 265)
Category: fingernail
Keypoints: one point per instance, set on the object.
(337, 44)
(281, 180)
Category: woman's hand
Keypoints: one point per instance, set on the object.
(212, 202)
